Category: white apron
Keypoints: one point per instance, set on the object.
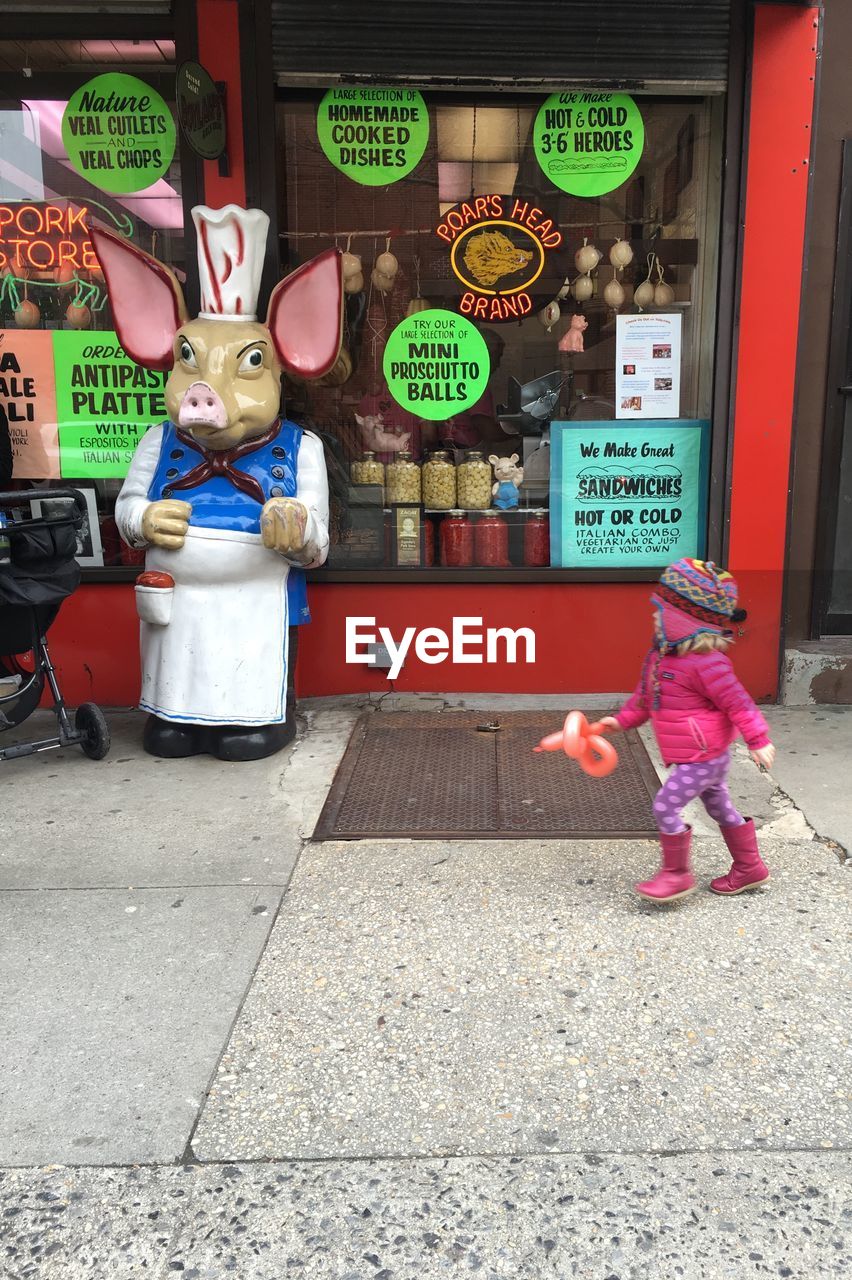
(222, 657)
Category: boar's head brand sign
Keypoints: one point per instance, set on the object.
(498, 247)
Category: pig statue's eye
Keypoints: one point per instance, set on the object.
(187, 354)
(251, 360)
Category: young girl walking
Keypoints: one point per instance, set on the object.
(697, 707)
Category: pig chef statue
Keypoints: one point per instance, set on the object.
(225, 496)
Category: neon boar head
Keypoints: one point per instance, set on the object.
(225, 365)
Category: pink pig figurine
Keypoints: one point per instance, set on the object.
(377, 437)
(572, 338)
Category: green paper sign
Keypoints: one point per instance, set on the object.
(627, 496)
(104, 404)
(436, 364)
(119, 133)
(375, 136)
(588, 143)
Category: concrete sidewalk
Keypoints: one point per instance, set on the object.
(230, 1051)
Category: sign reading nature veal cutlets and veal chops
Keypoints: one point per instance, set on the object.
(119, 133)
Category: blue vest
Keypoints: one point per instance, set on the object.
(216, 502)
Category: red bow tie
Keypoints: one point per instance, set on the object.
(219, 462)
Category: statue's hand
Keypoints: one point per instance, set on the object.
(164, 523)
(283, 523)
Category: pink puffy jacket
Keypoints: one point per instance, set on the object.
(702, 707)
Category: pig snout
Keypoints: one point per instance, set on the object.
(202, 407)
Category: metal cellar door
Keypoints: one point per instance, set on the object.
(474, 775)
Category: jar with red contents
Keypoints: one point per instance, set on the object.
(456, 540)
(428, 542)
(537, 540)
(491, 542)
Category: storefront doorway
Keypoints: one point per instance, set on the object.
(833, 595)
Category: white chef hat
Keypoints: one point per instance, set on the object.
(231, 248)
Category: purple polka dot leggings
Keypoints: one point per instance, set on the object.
(709, 780)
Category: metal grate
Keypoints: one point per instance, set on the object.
(437, 774)
(629, 42)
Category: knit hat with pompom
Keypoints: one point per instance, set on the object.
(695, 596)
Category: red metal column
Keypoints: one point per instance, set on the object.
(219, 53)
(779, 127)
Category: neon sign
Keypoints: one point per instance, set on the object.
(44, 237)
(498, 249)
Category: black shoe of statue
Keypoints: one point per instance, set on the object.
(254, 743)
(173, 741)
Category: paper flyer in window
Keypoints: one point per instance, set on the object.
(647, 366)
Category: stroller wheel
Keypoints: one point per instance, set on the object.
(91, 723)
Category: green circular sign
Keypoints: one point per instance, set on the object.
(436, 364)
(119, 133)
(588, 143)
(375, 136)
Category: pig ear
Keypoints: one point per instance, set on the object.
(305, 316)
(146, 299)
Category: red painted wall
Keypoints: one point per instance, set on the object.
(219, 52)
(779, 138)
(590, 637)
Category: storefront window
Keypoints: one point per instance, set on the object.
(462, 442)
(76, 405)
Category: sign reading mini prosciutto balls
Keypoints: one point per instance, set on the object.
(588, 143)
(119, 133)
(375, 136)
(436, 364)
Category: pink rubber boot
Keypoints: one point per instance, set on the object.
(748, 869)
(674, 878)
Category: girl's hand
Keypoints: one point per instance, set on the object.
(764, 756)
(609, 724)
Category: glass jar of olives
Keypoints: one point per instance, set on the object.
(474, 482)
(439, 482)
(367, 470)
(402, 478)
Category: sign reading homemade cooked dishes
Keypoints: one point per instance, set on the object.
(588, 142)
(498, 247)
(623, 496)
(374, 135)
(119, 133)
(436, 364)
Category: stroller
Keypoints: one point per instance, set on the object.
(37, 572)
